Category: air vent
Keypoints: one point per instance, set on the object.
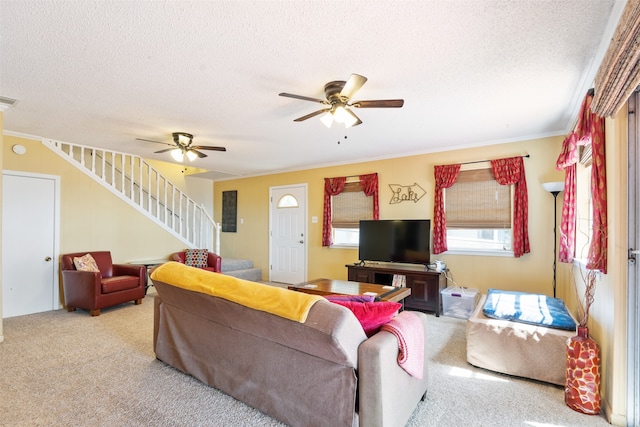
(6, 102)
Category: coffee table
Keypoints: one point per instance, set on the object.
(342, 287)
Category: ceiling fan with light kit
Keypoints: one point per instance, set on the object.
(182, 146)
(338, 102)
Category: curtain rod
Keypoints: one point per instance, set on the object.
(482, 161)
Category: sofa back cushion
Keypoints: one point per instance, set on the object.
(271, 299)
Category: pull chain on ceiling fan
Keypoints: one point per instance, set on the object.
(182, 146)
(339, 94)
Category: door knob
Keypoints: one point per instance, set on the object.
(48, 259)
(301, 241)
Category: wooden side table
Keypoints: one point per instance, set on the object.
(148, 264)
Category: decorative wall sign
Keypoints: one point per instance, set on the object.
(229, 211)
(403, 193)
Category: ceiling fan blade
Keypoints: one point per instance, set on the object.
(315, 113)
(165, 150)
(198, 153)
(304, 98)
(381, 103)
(150, 140)
(358, 121)
(208, 147)
(352, 85)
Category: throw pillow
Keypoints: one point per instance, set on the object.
(86, 263)
(196, 257)
(372, 315)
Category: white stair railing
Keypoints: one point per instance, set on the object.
(143, 187)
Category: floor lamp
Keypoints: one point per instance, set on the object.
(554, 188)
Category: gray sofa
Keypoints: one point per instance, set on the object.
(322, 372)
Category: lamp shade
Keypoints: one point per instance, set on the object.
(327, 119)
(553, 187)
(191, 155)
(176, 153)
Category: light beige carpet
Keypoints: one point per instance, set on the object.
(59, 368)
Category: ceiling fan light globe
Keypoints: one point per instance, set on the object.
(340, 115)
(191, 156)
(327, 119)
(177, 155)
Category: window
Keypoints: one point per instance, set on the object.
(584, 204)
(347, 209)
(345, 212)
(478, 212)
(288, 201)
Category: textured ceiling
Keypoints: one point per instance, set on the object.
(475, 72)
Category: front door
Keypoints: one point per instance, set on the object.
(288, 238)
(29, 244)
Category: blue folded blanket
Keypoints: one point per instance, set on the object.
(533, 309)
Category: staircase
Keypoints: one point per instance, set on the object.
(137, 183)
(241, 268)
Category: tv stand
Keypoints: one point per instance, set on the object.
(425, 284)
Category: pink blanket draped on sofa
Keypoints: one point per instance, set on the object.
(408, 329)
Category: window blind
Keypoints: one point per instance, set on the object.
(476, 200)
(350, 206)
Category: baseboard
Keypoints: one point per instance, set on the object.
(613, 419)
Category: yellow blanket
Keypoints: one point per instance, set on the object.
(291, 305)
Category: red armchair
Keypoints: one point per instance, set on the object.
(214, 262)
(113, 284)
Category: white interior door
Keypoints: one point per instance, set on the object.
(29, 266)
(288, 238)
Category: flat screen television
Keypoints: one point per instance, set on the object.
(404, 241)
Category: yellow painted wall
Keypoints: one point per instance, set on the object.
(1, 161)
(532, 272)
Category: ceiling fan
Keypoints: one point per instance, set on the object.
(182, 146)
(339, 94)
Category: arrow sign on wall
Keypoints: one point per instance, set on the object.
(403, 193)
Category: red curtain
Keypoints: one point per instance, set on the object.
(567, 161)
(445, 177)
(369, 185)
(589, 130)
(600, 233)
(510, 171)
(332, 186)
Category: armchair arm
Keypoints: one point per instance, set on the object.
(388, 394)
(215, 261)
(139, 271)
(81, 288)
(178, 257)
